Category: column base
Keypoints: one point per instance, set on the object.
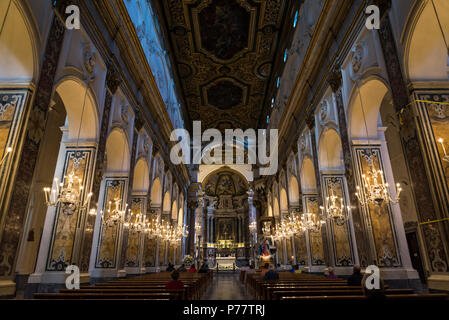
(438, 282)
(133, 270)
(7, 288)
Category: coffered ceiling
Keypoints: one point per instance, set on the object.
(224, 52)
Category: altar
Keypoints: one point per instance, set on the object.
(225, 263)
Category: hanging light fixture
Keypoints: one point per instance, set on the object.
(115, 213)
(446, 156)
(68, 192)
(312, 222)
(335, 211)
(374, 189)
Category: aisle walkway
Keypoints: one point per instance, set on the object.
(226, 286)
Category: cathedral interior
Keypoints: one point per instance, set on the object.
(94, 96)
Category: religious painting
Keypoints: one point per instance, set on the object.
(340, 232)
(109, 232)
(224, 28)
(379, 215)
(264, 247)
(67, 214)
(226, 229)
(10, 106)
(316, 240)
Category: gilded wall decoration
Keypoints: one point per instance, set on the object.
(67, 217)
(149, 252)
(224, 39)
(288, 243)
(379, 217)
(436, 126)
(171, 253)
(340, 231)
(162, 249)
(301, 248)
(108, 241)
(132, 253)
(316, 240)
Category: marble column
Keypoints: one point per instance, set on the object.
(112, 82)
(138, 124)
(412, 148)
(311, 126)
(362, 254)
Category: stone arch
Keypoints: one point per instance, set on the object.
(18, 44)
(156, 192)
(283, 200)
(330, 150)
(117, 152)
(293, 190)
(81, 107)
(141, 180)
(166, 207)
(308, 179)
(372, 92)
(426, 56)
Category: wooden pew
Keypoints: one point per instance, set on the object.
(429, 296)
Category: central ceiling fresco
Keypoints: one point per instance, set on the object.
(224, 51)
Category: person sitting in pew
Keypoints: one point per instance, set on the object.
(265, 269)
(331, 274)
(204, 268)
(170, 267)
(175, 283)
(356, 278)
(182, 268)
(192, 268)
(271, 274)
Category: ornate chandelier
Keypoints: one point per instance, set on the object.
(334, 207)
(446, 156)
(374, 189)
(138, 225)
(67, 193)
(312, 222)
(115, 213)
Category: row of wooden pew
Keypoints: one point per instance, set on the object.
(146, 287)
(308, 287)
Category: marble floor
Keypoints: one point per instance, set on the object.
(226, 286)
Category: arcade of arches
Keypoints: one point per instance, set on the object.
(94, 108)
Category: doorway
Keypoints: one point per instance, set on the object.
(415, 256)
